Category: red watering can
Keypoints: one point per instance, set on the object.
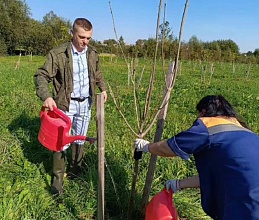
(161, 207)
(55, 128)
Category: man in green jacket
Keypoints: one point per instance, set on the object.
(74, 70)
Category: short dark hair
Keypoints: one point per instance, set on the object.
(217, 105)
(82, 22)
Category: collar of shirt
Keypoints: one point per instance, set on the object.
(75, 52)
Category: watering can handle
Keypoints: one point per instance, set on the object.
(61, 114)
(57, 111)
(43, 109)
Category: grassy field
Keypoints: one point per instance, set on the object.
(25, 166)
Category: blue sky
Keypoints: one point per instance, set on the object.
(208, 20)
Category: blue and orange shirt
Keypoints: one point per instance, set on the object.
(227, 160)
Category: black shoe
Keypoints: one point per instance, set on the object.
(55, 192)
(74, 173)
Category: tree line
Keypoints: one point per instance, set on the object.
(19, 33)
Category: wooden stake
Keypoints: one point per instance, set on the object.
(100, 141)
(248, 71)
(18, 62)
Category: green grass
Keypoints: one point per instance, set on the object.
(25, 166)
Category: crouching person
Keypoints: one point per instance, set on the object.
(226, 154)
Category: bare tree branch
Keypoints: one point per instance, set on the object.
(165, 99)
(115, 32)
(175, 68)
(163, 40)
(152, 76)
(124, 118)
(159, 130)
(136, 101)
(180, 39)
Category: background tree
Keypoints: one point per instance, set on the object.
(3, 47)
(39, 38)
(60, 27)
(195, 48)
(256, 52)
(121, 41)
(13, 24)
(166, 38)
(149, 46)
(165, 31)
(18, 31)
(111, 45)
(123, 46)
(139, 48)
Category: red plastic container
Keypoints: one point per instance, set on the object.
(161, 207)
(54, 130)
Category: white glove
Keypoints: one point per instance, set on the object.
(141, 145)
(172, 184)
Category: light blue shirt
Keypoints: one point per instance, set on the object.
(80, 74)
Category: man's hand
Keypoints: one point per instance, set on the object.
(173, 185)
(141, 145)
(49, 103)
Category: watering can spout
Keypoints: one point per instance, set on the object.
(70, 139)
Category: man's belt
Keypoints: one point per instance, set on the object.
(80, 99)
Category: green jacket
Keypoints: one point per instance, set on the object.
(58, 69)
